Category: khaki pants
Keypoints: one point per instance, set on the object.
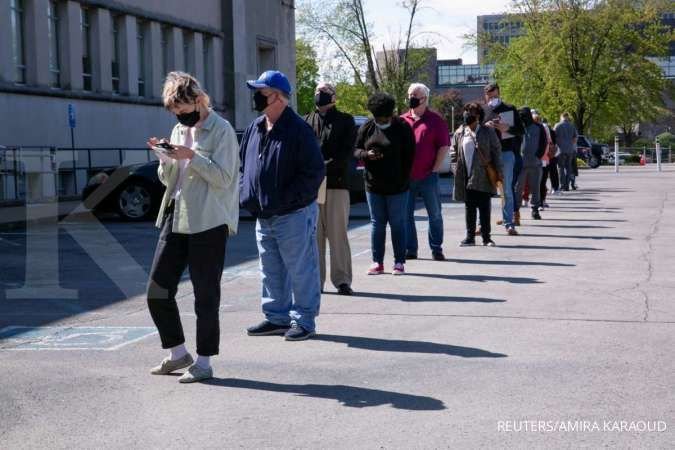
(332, 225)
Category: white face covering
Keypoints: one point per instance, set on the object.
(383, 127)
(494, 102)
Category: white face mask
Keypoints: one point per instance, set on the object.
(383, 127)
(494, 102)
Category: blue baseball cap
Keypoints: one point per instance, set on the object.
(271, 79)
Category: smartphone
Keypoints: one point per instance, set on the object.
(163, 147)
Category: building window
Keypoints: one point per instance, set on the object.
(18, 51)
(207, 63)
(115, 56)
(142, 66)
(267, 56)
(166, 33)
(85, 27)
(187, 61)
(54, 56)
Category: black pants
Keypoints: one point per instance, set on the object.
(553, 173)
(204, 254)
(478, 201)
(543, 190)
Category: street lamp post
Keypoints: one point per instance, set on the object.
(453, 119)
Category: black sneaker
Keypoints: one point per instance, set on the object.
(297, 333)
(489, 243)
(267, 328)
(344, 289)
(535, 215)
(467, 242)
(411, 255)
(438, 256)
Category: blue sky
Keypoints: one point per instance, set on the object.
(445, 21)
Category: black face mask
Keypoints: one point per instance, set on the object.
(468, 119)
(260, 101)
(189, 119)
(414, 102)
(323, 99)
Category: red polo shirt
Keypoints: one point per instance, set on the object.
(431, 134)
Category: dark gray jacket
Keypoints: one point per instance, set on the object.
(477, 180)
(534, 145)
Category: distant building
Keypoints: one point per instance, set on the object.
(108, 58)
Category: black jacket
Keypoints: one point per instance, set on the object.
(336, 132)
(391, 174)
(517, 130)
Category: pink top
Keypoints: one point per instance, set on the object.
(431, 134)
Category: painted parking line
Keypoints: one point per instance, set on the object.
(71, 338)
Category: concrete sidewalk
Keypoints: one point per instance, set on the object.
(531, 344)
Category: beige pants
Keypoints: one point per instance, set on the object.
(332, 225)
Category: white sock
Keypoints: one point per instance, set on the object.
(177, 352)
(203, 361)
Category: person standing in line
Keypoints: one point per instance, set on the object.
(533, 148)
(505, 120)
(386, 144)
(432, 141)
(198, 211)
(553, 160)
(474, 147)
(566, 140)
(336, 132)
(545, 160)
(281, 170)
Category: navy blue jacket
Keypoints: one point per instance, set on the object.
(281, 171)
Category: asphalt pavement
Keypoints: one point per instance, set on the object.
(561, 337)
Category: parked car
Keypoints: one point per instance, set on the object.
(357, 183)
(590, 152)
(134, 192)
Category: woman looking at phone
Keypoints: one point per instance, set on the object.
(200, 208)
(386, 144)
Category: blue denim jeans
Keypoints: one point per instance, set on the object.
(387, 209)
(508, 163)
(430, 191)
(289, 262)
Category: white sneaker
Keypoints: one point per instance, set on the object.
(168, 365)
(196, 373)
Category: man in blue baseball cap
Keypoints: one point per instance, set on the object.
(281, 170)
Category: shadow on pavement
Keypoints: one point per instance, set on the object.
(581, 227)
(477, 278)
(386, 345)
(615, 238)
(426, 298)
(351, 396)
(548, 247)
(548, 219)
(508, 263)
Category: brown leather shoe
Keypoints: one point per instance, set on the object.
(516, 218)
(512, 232)
(500, 222)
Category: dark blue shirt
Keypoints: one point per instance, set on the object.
(281, 170)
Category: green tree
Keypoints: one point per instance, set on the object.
(351, 98)
(307, 74)
(449, 104)
(588, 57)
(343, 26)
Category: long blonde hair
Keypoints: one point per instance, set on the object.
(182, 88)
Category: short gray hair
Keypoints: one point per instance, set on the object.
(419, 87)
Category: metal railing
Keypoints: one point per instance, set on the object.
(39, 174)
(632, 155)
